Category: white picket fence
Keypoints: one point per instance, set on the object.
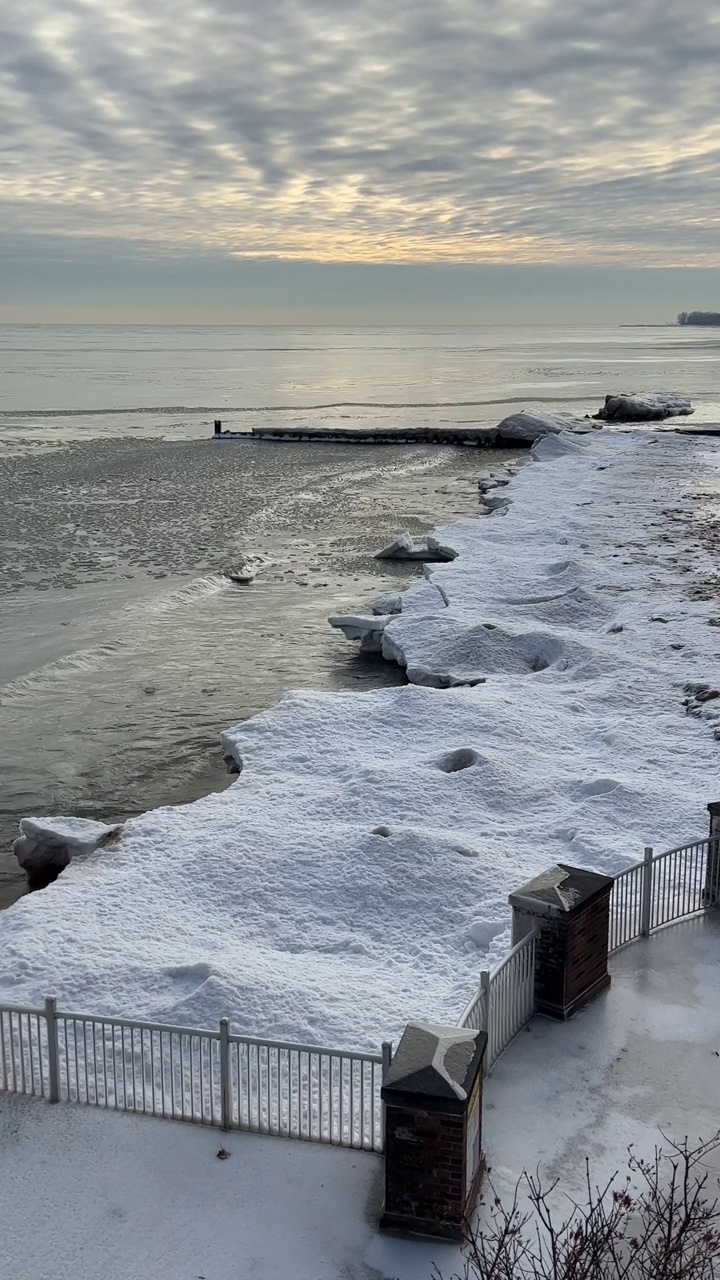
(303, 1091)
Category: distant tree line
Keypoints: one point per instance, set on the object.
(699, 317)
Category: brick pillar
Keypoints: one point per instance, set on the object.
(712, 867)
(570, 908)
(433, 1112)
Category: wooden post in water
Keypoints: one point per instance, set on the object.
(218, 427)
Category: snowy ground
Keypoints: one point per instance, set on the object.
(641, 1061)
(87, 1194)
(585, 610)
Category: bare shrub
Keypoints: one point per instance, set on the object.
(658, 1219)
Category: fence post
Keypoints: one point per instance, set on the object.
(386, 1063)
(485, 1006)
(647, 893)
(52, 1039)
(225, 1095)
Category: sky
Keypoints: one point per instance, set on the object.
(376, 159)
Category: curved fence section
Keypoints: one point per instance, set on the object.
(626, 906)
(662, 889)
(505, 1001)
(681, 882)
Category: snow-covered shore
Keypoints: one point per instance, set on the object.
(356, 874)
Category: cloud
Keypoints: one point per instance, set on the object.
(468, 131)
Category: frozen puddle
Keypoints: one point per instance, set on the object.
(356, 873)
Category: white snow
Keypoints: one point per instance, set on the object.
(639, 1062)
(279, 904)
(87, 1194)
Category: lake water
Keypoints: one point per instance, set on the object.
(123, 648)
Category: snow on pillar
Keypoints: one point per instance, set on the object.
(712, 868)
(570, 908)
(433, 1110)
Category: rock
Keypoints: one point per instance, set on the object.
(404, 548)
(526, 427)
(46, 846)
(643, 408)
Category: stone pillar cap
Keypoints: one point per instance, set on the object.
(435, 1063)
(561, 891)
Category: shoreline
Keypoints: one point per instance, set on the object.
(355, 875)
(114, 693)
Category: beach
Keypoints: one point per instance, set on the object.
(356, 873)
(125, 651)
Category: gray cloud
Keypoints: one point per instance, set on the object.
(473, 130)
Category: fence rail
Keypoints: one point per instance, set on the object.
(304, 1091)
(505, 1001)
(204, 1077)
(662, 889)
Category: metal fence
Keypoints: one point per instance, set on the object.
(204, 1077)
(505, 1001)
(663, 888)
(303, 1091)
(660, 890)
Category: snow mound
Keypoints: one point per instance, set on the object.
(443, 651)
(643, 408)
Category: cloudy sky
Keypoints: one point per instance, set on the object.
(191, 156)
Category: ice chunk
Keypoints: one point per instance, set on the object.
(46, 845)
(527, 426)
(643, 408)
(404, 548)
(367, 628)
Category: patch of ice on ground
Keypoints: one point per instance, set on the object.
(338, 888)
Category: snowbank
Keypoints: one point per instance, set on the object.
(356, 875)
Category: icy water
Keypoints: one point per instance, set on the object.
(123, 648)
